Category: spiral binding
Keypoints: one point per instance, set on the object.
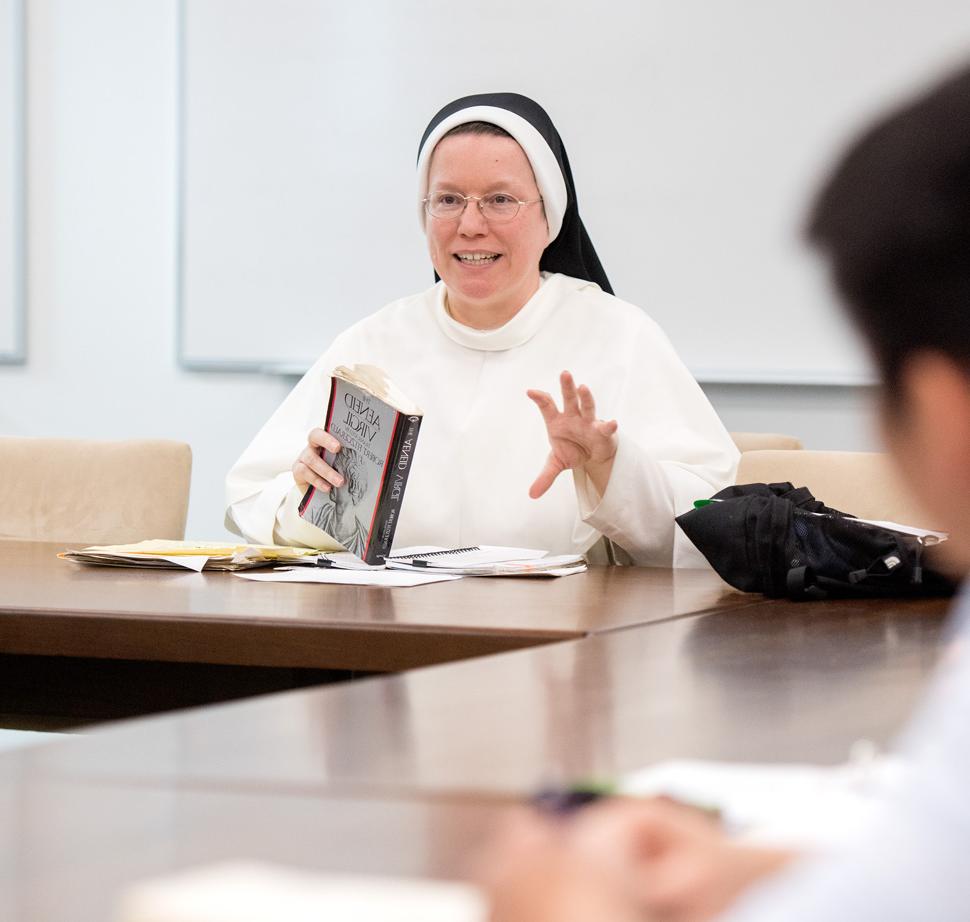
(457, 550)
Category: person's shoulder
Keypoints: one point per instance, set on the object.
(377, 335)
(403, 309)
(585, 296)
(393, 319)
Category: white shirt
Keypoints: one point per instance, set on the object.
(913, 863)
(483, 442)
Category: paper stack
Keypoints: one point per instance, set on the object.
(189, 555)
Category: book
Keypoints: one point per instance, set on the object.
(377, 427)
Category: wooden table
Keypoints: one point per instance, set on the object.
(55, 607)
(406, 774)
(774, 681)
(114, 642)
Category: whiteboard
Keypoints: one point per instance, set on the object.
(697, 132)
(12, 302)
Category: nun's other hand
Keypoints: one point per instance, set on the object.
(310, 469)
(577, 439)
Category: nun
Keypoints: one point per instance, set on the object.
(521, 307)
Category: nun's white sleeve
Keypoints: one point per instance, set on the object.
(672, 449)
(261, 495)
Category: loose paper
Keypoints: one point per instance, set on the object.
(257, 892)
(392, 578)
(786, 805)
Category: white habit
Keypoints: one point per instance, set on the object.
(483, 442)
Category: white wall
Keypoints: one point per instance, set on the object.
(822, 417)
(101, 206)
(11, 217)
(101, 276)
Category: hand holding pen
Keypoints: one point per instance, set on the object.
(583, 857)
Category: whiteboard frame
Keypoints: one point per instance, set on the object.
(181, 145)
(18, 356)
(799, 379)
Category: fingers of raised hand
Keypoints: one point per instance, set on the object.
(587, 405)
(552, 469)
(608, 428)
(586, 435)
(570, 402)
(545, 403)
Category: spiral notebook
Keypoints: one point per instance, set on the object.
(442, 557)
(429, 556)
(478, 560)
(487, 560)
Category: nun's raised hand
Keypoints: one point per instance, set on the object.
(577, 439)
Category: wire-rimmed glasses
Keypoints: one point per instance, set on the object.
(496, 206)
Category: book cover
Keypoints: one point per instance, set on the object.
(377, 427)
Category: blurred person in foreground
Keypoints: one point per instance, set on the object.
(894, 222)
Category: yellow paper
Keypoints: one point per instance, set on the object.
(158, 547)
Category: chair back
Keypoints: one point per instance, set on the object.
(859, 482)
(88, 492)
(759, 441)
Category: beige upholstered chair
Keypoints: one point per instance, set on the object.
(859, 482)
(758, 441)
(93, 492)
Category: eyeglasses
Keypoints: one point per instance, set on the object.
(496, 206)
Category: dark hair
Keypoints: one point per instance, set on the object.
(486, 128)
(894, 220)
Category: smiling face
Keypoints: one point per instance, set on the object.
(490, 269)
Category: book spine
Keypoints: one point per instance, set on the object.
(392, 490)
(311, 489)
(372, 553)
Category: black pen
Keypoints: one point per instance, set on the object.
(564, 802)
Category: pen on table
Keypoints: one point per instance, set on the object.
(563, 802)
